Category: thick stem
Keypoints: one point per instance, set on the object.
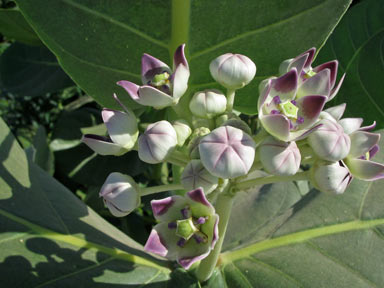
(230, 99)
(271, 179)
(160, 188)
(223, 209)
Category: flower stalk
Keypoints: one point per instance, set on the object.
(161, 188)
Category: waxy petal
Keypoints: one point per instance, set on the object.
(337, 111)
(311, 54)
(350, 125)
(168, 209)
(336, 89)
(121, 126)
(180, 81)
(332, 66)
(365, 170)
(298, 63)
(155, 243)
(265, 87)
(310, 108)
(150, 66)
(131, 88)
(150, 96)
(316, 85)
(198, 196)
(362, 142)
(374, 150)
(369, 127)
(103, 145)
(303, 133)
(285, 86)
(179, 57)
(277, 125)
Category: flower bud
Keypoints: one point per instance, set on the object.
(278, 157)
(157, 142)
(233, 71)
(330, 177)
(193, 146)
(120, 194)
(227, 152)
(195, 176)
(239, 124)
(329, 142)
(208, 103)
(183, 131)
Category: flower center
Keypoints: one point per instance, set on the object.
(160, 79)
(309, 74)
(185, 228)
(289, 109)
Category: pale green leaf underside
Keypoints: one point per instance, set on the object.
(99, 44)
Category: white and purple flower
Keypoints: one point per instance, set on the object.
(161, 87)
(188, 228)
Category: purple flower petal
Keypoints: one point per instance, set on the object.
(168, 209)
(155, 245)
(374, 151)
(332, 66)
(350, 125)
(131, 88)
(187, 262)
(336, 89)
(151, 66)
(365, 170)
(103, 145)
(151, 96)
(298, 63)
(336, 111)
(369, 127)
(198, 196)
(310, 108)
(277, 125)
(362, 142)
(264, 90)
(179, 57)
(160, 207)
(301, 134)
(285, 86)
(316, 85)
(180, 81)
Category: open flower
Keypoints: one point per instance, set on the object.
(122, 130)
(161, 87)
(188, 229)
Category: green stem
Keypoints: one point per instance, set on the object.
(160, 188)
(223, 209)
(179, 156)
(230, 99)
(180, 24)
(271, 179)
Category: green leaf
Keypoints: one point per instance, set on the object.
(358, 45)
(14, 26)
(99, 44)
(32, 71)
(326, 241)
(50, 238)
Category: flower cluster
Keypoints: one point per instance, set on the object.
(216, 148)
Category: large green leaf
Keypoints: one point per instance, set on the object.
(14, 26)
(99, 43)
(49, 238)
(357, 43)
(31, 70)
(322, 241)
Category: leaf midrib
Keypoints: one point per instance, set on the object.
(299, 237)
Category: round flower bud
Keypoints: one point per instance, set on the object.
(183, 131)
(157, 142)
(279, 157)
(208, 103)
(239, 124)
(233, 71)
(330, 177)
(193, 145)
(329, 142)
(120, 194)
(227, 152)
(195, 176)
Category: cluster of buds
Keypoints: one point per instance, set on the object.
(215, 148)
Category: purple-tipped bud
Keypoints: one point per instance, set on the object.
(330, 177)
(278, 157)
(208, 103)
(120, 194)
(157, 142)
(183, 131)
(329, 142)
(195, 176)
(233, 71)
(227, 152)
